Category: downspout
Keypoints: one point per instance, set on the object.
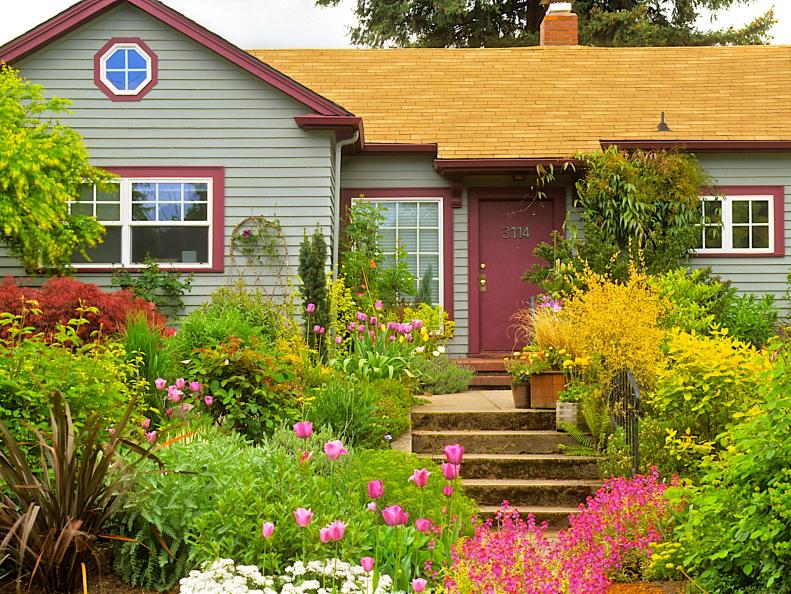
(336, 214)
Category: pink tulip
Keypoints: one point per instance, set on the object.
(180, 383)
(337, 530)
(302, 516)
(303, 429)
(146, 423)
(372, 506)
(151, 436)
(174, 394)
(417, 324)
(447, 491)
(267, 530)
(338, 340)
(310, 308)
(335, 449)
(454, 453)
(450, 471)
(378, 304)
(418, 585)
(394, 515)
(195, 386)
(375, 489)
(423, 525)
(305, 457)
(420, 478)
(160, 383)
(111, 431)
(325, 535)
(316, 329)
(373, 320)
(169, 412)
(186, 407)
(367, 563)
(208, 400)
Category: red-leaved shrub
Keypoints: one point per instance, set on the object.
(60, 298)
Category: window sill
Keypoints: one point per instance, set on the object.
(774, 254)
(98, 269)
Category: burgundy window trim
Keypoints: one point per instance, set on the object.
(475, 196)
(778, 204)
(347, 194)
(97, 69)
(217, 174)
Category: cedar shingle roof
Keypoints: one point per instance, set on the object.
(551, 101)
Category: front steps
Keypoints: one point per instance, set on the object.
(489, 372)
(511, 455)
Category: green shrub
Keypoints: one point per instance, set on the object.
(150, 350)
(734, 528)
(440, 375)
(395, 401)
(751, 319)
(312, 273)
(697, 299)
(220, 491)
(165, 288)
(254, 389)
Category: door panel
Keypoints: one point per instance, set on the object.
(508, 232)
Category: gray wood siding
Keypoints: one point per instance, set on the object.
(203, 111)
(753, 275)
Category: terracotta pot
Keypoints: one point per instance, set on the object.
(521, 393)
(569, 413)
(545, 387)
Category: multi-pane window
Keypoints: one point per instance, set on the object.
(125, 68)
(416, 226)
(737, 224)
(165, 219)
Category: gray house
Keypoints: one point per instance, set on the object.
(205, 135)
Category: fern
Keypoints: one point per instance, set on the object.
(583, 442)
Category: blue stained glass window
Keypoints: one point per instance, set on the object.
(127, 69)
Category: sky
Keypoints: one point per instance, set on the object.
(252, 24)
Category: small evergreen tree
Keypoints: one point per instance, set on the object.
(312, 273)
(423, 294)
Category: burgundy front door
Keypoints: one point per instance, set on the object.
(508, 231)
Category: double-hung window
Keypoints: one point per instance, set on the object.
(740, 222)
(167, 219)
(414, 224)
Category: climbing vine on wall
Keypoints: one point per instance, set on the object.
(259, 249)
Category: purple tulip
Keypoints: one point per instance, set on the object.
(371, 506)
(325, 535)
(447, 491)
(316, 329)
(378, 304)
(146, 423)
(337, 530)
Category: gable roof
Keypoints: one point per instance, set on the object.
(86, 10)
(542, 102)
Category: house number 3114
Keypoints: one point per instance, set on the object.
(516, 232)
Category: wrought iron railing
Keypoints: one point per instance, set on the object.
(625, 412)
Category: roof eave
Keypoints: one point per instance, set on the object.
(714, 146)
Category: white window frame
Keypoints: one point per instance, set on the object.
(440, 222)
(727, 224)
(103, 69)
(126, 223)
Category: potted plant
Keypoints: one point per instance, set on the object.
(520, 371)
(568, 406)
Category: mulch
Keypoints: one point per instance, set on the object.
(648, 588)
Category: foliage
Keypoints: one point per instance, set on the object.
(165, 288)
(618, 323)
(434, 323)
(62, 299)
(733, 528)
(366, 270)
(534, 359)
(51, 518)
(93, 378)
(575, 391)
(702, 382)
(423, 294)
(494, 23)
(312, 272)
(542, 327)
(251, 485)
(262, 245)
(611, 536)
(696, 299)
(438, 374)
(255, 389)
(149, 349)
(342, 315)
(751, 319)
(44, 162)
(392, 412)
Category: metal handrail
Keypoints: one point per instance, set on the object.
(625, 412)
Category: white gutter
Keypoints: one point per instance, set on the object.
(336, 214)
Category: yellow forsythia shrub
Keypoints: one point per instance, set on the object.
(617, 323)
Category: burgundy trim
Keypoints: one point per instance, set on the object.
(343, 126)
(78, 14)
(457, 167)
(778, 204)
(474, 196)
(97, 69)
(217, 174)
(701, 145)
(447, 225)
(391, 147)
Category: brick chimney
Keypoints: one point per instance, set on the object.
(559, 26)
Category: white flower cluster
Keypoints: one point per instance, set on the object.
(315, 577)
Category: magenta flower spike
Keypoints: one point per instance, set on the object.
(303, 429)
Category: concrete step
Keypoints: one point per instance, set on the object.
(557, 518)
(491, 442)
(490, 380)
(484, 364)
(527, 466)
(552, 493)
(488, 420)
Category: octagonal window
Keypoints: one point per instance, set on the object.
(126, 69)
